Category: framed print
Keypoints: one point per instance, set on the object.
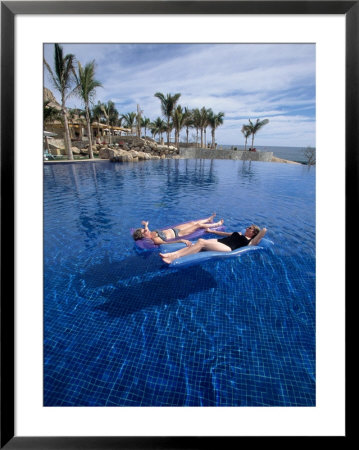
(110, 338)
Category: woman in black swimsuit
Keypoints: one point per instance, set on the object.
(230, 242)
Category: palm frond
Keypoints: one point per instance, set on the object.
(130, 119)
(168, 103)
(86, 83)
(52, 75)
(63, 75)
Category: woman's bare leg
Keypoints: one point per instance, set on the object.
(211, 225)
(196, 225)
(183, 226)
(201, 244)
(208, 220)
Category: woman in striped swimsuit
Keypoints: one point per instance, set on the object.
(162, 236)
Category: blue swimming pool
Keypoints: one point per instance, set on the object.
(122, 329)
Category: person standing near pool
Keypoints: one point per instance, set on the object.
(184, 229)
(231, 241)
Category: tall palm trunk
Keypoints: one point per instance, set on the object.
(213, 137)
(89, 132)
(168, 131)
(110, 135)
(254, 128)
(67, 131)
(201, 137)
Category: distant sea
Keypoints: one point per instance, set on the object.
(291, 153)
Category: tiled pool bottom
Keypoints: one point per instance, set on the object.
(177, 338)
(123, 330)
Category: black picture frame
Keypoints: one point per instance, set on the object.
(8, 12)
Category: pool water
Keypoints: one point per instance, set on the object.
(121, 328)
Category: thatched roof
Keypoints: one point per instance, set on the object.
(104, 125)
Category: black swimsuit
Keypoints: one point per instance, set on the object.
(235, 240)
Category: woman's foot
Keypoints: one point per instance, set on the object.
(166, 260)
(212, 225)
(167, 257)
(210, 219)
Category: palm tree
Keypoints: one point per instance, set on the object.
(110, 113)
(168, 127)
(98, 114)
(153, 131)
(189, 121)
(179, 121)
(63, 79)
(196, 121)
(203, 122)
(255, 127)
(164, 129)
(86, 90)
(214, 121)
(113, 113)
(158, 126)
(130, 119)
(145, 123)
(168, 104)
(246, 132)
(75, 115)
(119, 121)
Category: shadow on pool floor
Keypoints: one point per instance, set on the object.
(110, 270)
(159, 291)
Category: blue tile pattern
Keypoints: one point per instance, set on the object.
(122, 329)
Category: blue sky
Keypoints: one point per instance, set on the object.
(265, 81)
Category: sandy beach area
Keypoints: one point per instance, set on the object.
(279, 160)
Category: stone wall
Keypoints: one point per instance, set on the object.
(204, 153)
(128, 139)
(136, 149)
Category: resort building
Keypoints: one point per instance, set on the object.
(78, 129)
(77, 123)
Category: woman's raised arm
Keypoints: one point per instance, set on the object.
(256, 240)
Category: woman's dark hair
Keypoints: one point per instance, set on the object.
(137, 234)
(256, 229)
